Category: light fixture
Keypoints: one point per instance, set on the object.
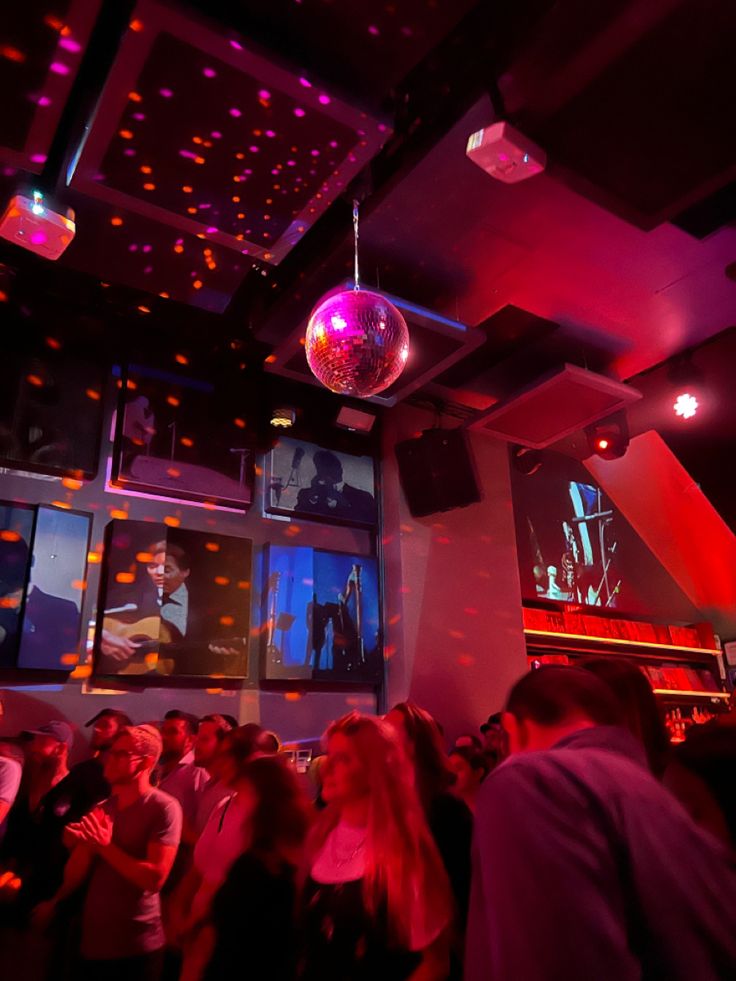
(686, 405)
(283, 417)
(609, 439)
(355, 420)
(357, 342)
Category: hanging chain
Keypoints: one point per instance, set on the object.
(355, 238)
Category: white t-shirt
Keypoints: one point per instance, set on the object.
(343, 858)
(10, 773)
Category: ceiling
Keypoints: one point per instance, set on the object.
(211, 151)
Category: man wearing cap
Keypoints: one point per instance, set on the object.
(107, 725)
(124, 853)
(50, 799)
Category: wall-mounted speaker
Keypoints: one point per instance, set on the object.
(436, 472)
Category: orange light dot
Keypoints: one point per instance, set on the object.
(178, 248)
(181, 359)
(144, 557)
(149, 186)
(131, 385)
(222, 581)
(227, 621)
(171, 521)
(71, 484)
(186, 441)
(92, 394)
(212, 547)
(197, 284)
(53, 22)
(3, 296)
(81, 671)
(143, 309)
(186, 189)
(136, 25)
(126, 134)
(199, 160)
(69, 658)
(12, 54)
(243, 584)
(116, 220)
(135, 96)
(236, 199)
(6, 535)
(94, 558)
(270, 359)
(173, 472)
(34, 380)
(240, 423)
(191, 211)
(292, 696)
(118, 514)
(80, 584)
(173, 400)
(164, 295)
(145, 169)
(196, 139)
(53, 343)
(125, 577)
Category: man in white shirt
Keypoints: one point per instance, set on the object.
(11, 770)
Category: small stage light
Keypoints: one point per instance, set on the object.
(602, 444)
(609, 439)
(686, 405)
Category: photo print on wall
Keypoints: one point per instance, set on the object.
(309, 481)
(321, 616)
(174, 602)
(177, 437)
(43, 565)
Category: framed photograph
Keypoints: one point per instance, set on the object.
(321, 616)
(43, 566)
(173, 602)
(176, 437)
(308, 481)
(50, 414)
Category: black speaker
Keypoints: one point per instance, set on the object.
(436, 472)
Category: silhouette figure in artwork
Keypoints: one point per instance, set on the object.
(330, 496)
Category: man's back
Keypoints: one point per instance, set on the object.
(586, 869)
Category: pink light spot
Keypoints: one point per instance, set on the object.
(69, 44)
(166, 93)
(235, 113)
(216, 134)
(254, 149)
(503, 157)
(291, 163)
(373, 31)
(38, 238)
(188, 154)
(133, 248)
(270, 134)
(315, 153)
(299, 112)
(333, 144)
(38, 158)
(148, 270)
(275, 172)
(237, 45)
(212, 230)
(324, 99)
(140, 116)
(209, 72)
(248, 171)
(147, 248)
(305, 83)
(59, 68)
(264, 94)
(129, 152)
(43, 101)
(204, 205)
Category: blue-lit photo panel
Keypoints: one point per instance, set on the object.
(321, 616)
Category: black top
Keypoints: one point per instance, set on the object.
(253, 914)
(451, 824)
(342, 942)
(33, 843)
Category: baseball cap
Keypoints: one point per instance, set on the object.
(122, 718)
(60, 731)
(147, 739)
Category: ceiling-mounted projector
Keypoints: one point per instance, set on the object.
(28, 221)
(505, 153)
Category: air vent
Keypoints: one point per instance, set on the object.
(555, 407)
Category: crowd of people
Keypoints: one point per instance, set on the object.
(567, 840)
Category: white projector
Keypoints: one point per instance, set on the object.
(505, 153)
(28, 222)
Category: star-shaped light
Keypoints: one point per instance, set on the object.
(685, 406)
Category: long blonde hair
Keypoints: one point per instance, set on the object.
(404, 872)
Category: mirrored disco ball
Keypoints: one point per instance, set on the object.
(357, 343)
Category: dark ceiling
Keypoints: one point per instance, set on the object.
(211, 151)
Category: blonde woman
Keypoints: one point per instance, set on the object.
(376, 901)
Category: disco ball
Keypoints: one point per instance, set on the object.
(357, 343)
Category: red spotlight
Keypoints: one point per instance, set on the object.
(602, 444)
(609, 439)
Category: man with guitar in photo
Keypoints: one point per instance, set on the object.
(160, 627)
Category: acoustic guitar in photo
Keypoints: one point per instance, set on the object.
(151, 633)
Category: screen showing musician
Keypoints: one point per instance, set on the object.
(180, 607)
(322, 615)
